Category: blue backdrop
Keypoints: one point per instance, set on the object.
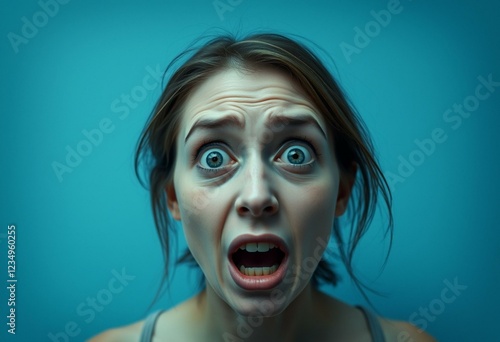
(79, 79)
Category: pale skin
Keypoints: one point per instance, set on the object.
(255, 157)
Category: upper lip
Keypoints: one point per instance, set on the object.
(248, 238)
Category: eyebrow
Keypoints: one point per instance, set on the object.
(274, 120)
(295, 121)
(211, 123)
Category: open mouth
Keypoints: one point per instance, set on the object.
(258, 258)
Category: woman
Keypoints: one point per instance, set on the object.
(256, 151)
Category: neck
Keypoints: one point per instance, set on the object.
(223, 323)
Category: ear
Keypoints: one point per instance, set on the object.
(346, 184)
(172, 202)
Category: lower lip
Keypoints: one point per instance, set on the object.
(255, 283)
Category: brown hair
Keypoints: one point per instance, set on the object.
(157, 145)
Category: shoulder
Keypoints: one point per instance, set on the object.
(129, 333)
(170, 324)
(399, 331)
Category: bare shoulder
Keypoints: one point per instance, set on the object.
(129, 333)
(399, 331)
(174, 324)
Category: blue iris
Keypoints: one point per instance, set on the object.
(214, 159)
(295, 156)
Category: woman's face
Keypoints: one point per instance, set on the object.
(256, 186)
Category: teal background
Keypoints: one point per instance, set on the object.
(73, 233)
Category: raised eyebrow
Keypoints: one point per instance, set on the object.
(282, 121)
(215, 122)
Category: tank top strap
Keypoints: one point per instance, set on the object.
(373, 324)
(149, 326)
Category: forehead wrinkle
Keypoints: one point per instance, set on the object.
(275, 101)
(232, 91)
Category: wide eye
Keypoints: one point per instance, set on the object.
(296, 155)
(214, 158)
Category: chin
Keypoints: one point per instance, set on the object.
(260, 303)
(263, 307)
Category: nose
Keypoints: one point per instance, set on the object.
(256, 198)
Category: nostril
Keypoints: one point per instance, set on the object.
(268, 210)
(244, 210)
(257, 207)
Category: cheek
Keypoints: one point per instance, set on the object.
(314, 214)
(194, 203)
(199, 222)
(317, 202)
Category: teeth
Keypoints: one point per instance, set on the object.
(263, 247)
(258, 247)
(252, 247)
(258, 271)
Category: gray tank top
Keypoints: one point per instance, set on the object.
(371, 320)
